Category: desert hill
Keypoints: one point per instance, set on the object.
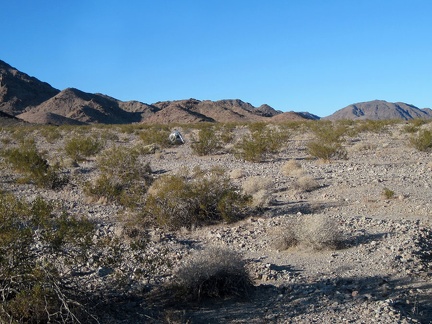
(86, 108)
(380, 110)
(35, 101)
(19, 91)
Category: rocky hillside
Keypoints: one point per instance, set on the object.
(19, 91)
(380, 110)
(83, 107)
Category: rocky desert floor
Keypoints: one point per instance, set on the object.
(381, 274)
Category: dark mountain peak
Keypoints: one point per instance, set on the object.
(18, 90)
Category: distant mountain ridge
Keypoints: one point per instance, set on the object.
(34, 101)
(381, 110)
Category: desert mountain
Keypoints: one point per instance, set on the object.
(35, 101)
(379, 110)
(18, 91)
(83, 107)
(233, 110)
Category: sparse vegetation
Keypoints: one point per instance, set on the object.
(388, 193)
(124, 177)
(422, 141)
(26, 160)
(259, 189)
(306, 183)
(262, 141)
(80, 148)
(212, 273)
(327, 144)
(156, 134)
(208, 141)
(291, 167)
(195, 199)
(31, 287)
(314, 232)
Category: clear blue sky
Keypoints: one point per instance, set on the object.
(303, 55)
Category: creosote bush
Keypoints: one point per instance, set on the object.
(28, 161)
(80, 148)
(156, 134)
(314, 232)
(197, 198)
(208, 141)
(327, 144)
(261, 141)
(422, 141)
(212, 273)
(32, 242)
(124, 177)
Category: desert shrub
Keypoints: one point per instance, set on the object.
(226, 132)
(208, 142)
(306, 183)
(259, 189)
(124, 176)
(212, 273)
(194, 199)
(314, 232)
(237, 174)
(328, 141)
(51, 133)
(260, 142)
(81, 147)
(28, 161)
(374, 126)
(388, 193)
(327, 151)
(32, 241)
(410, 128)
(422, 141)
(291, 167)
(156, 135)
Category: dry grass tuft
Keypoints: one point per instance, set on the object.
(214, 272)
(315, 232)
(306, 183)
(291, 168)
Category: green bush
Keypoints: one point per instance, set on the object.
(51, 133)
(212, 273)
(261, 142)
(208, 142)
(195, 199)
(422, 141)
(156, 135)
(124, 176)
(328, 141)
(388, 193)
(32, 241)
(374, 126)
(327, 151)
(28, 161)
(80, 148)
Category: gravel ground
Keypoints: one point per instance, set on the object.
(381, 274)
